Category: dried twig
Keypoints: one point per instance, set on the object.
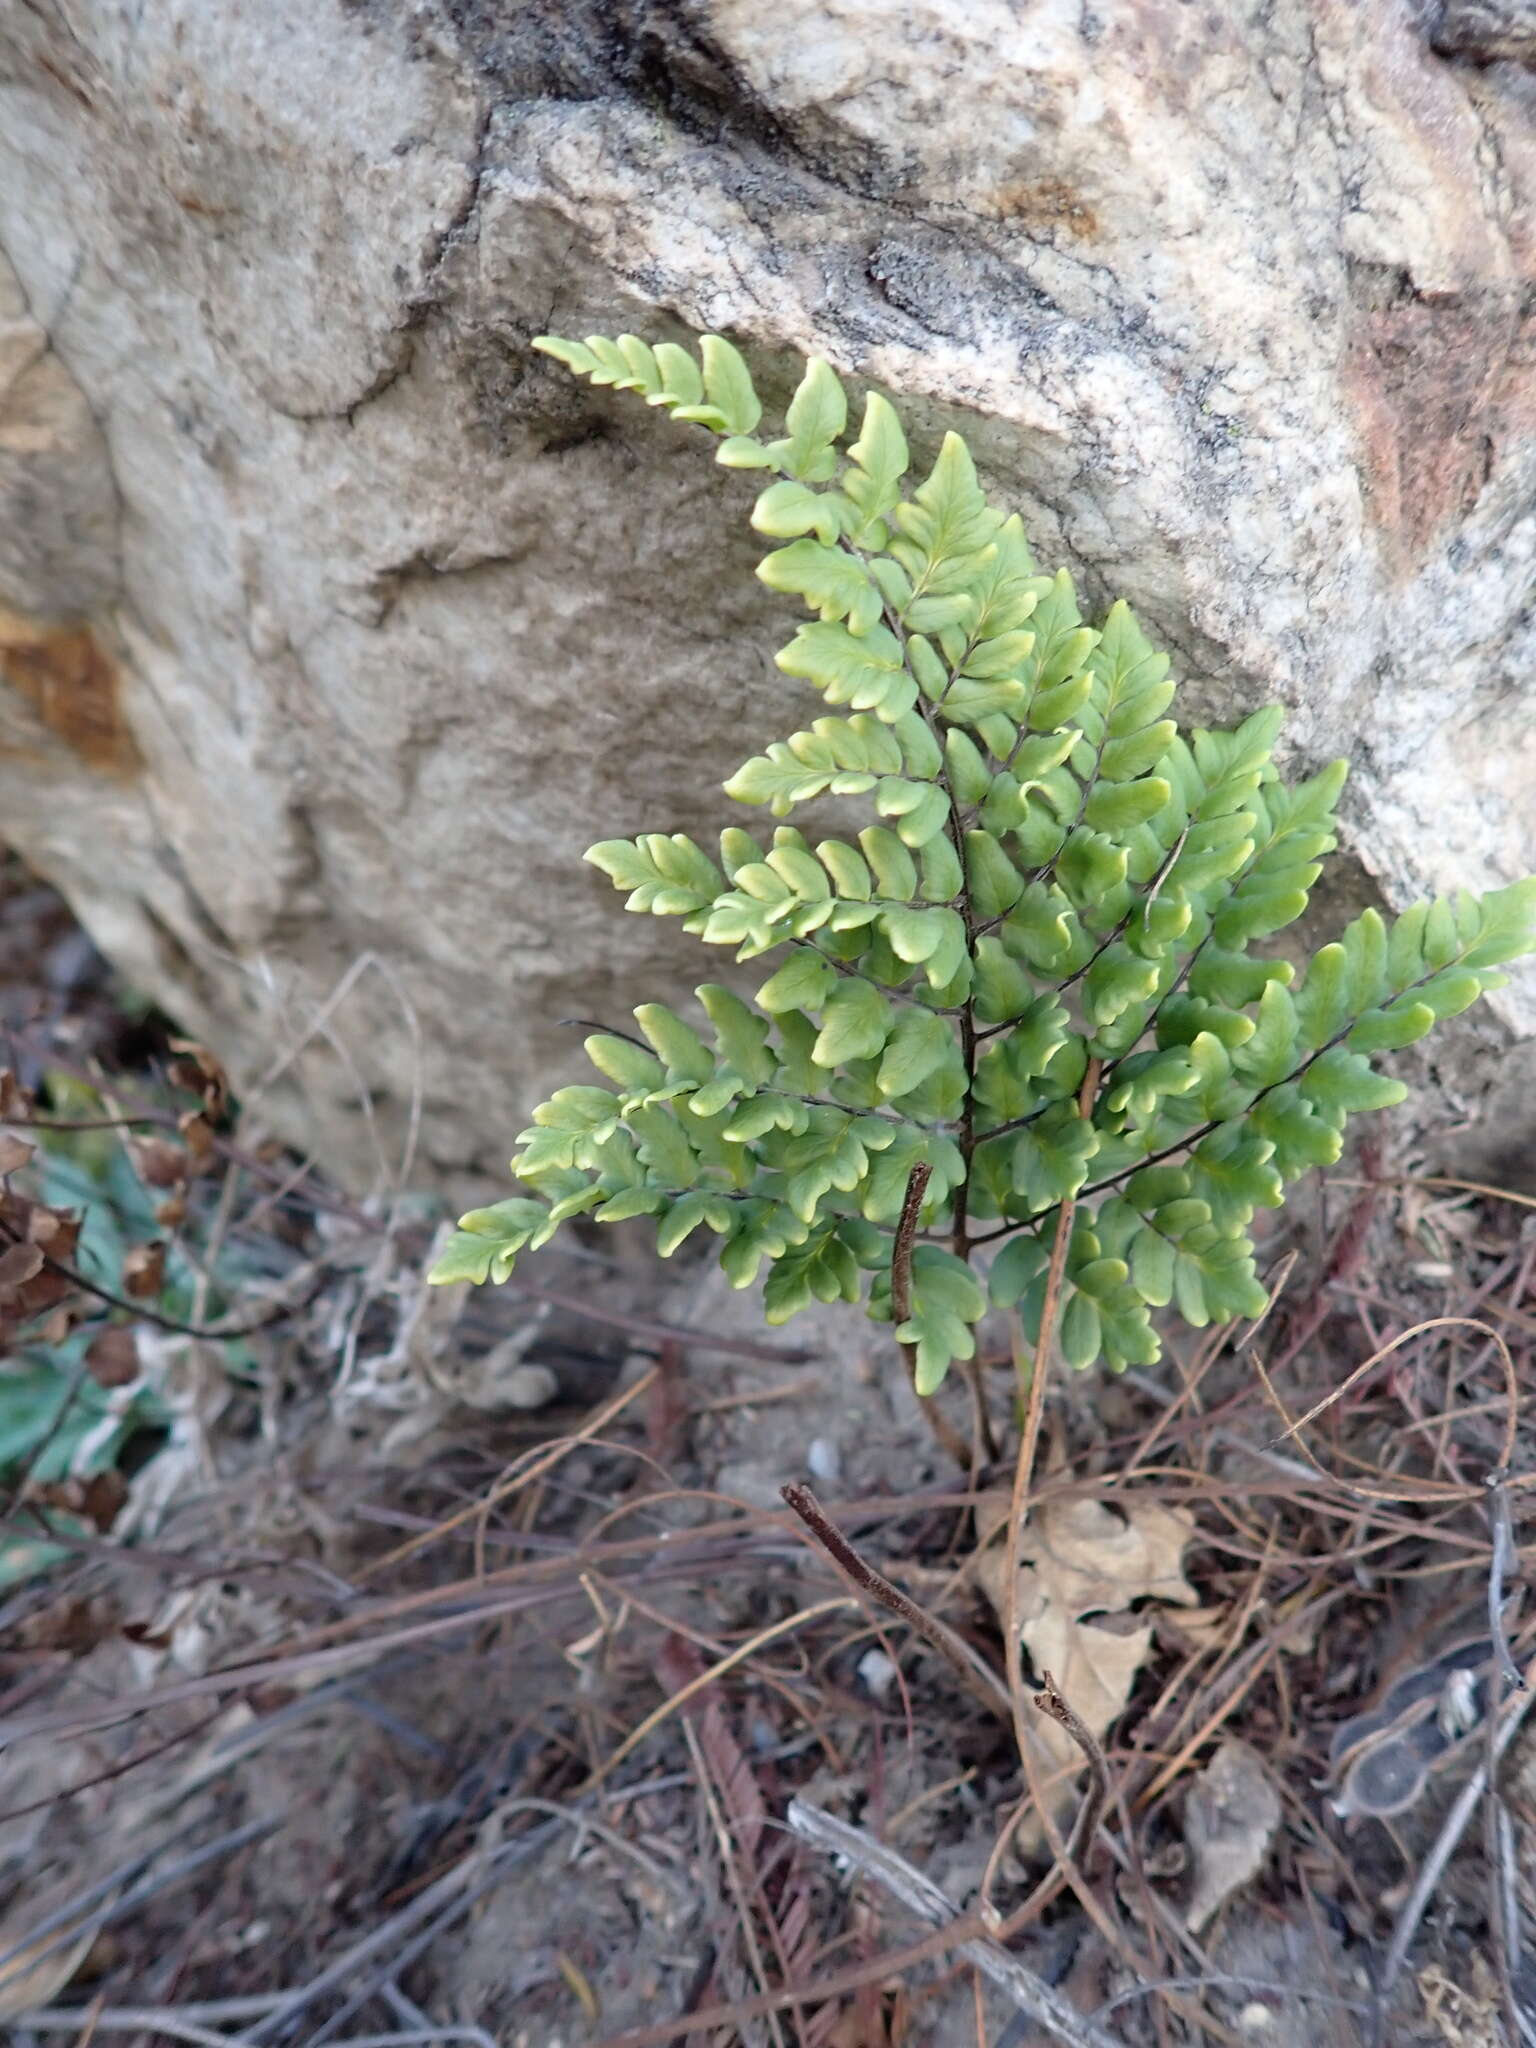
(1504, 1907)
(1045, 2006)
(435, 1908)
(1089, 1814)
(668, 1707)
(126, 2019)
(974, 1673)
(115, 1895)
(1502, 1526)
(1433, 1868)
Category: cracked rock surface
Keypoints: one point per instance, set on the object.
(333, 624)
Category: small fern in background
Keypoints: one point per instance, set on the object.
(1029, 978)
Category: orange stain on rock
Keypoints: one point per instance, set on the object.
(1042, 204)
(1438, 388)
(73, 686)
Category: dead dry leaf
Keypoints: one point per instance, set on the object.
(14, 1152)
(19, 1263)
(1201, 1627)
(200, 1074)
(144, 1270)
(36, 1971)
(1231, 1813)
(1094, 1558)
(198, 1132)
(1083, 1563)
(112, 1357)
(157, 1162)
(1093, 1668)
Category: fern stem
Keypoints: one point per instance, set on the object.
(901, 1251)
(938, 725)
(901, 1311)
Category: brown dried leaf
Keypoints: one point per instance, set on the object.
(1093, 1668)
(1096, 1558)
(56, 1230)
(14, 1152)
(112, 1358)
(1082, 1563)
(172, 1212)
(37, 1972)
(1201, 1628)
(144, 1270)
(31, 1236)
(97, 1500)
(157, 1162)
(201, 1073)
(146, 1635)
(198, 1132)
(19, 1263)
(14, 1099)
(1231, 1813)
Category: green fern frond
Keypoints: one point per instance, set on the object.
(1053, 881)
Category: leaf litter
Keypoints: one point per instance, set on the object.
(1083, 1568)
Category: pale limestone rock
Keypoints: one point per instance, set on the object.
(336, 624)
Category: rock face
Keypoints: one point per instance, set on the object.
(335, 623)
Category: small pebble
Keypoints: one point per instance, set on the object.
(824, 1459)
(878, 1673)
(529, 1386)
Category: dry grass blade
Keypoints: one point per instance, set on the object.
(543, 1461)
(739, 1655)
(880, 1970)
(1386, 1350)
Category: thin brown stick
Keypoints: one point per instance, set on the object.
(977, 1676)
(1084, 1828)
(1089, 1814)
(1023, 1471)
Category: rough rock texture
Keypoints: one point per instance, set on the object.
(335, 624)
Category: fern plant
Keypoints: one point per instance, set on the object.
(1030, 977)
